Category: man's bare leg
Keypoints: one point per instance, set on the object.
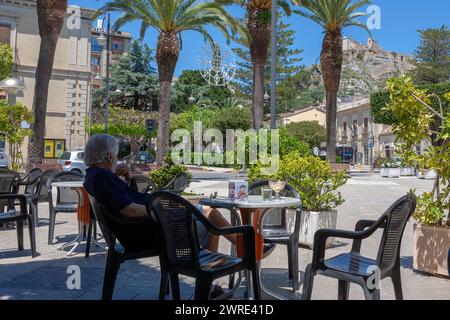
(216, 218)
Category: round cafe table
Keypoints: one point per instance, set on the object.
(83, 213)
(253, 210)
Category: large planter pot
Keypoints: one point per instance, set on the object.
(384, 172)
(407, 172)
(427, 174)
(390, 172)
(431, 247)
(313, 221)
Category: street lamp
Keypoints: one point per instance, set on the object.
(273, 67)
(105, 41)
(12, 86)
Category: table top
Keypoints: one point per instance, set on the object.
(68, 184)
(253, 202)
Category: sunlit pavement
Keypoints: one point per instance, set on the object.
(45, 277)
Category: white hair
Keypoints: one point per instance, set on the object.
(98, 147)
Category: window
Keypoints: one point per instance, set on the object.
(5, 33)
(355, 128)
(117, 45)
(96, 47)
(80, 155)
(95, 61)
(366, 123)
(345, 127)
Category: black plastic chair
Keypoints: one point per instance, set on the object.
(66, 199)
(276, 228)
(183, 254)
(9, 181)
(177, 185)
(42, 192)
(28, 186)
(11, 215)
(111, 226)
(355, 268)
(143, 184)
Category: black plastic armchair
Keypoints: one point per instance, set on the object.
(28, 186)
(352, 267)
(183, 254)
(66, 199)
(143, 183)
(11, 215)
(42, 192)
(276, 228)
(116, 228)
(177, 185)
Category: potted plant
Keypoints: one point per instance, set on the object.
(390, 169)
(317, 184)
(419, 115)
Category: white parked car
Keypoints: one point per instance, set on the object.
(73, 161)
(4, 160)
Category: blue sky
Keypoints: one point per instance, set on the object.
(400, 21)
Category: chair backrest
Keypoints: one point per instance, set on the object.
(9, 181)
(277, 217)
(64, 195)
(178, 230)
(123, 228)
(100, 212)
(144, 183)
(32, 180)
(395, 218)
(180, 183)
(42, 185)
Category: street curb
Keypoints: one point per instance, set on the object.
(209, 169)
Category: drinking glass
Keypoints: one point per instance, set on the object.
(266, 194)
(277, 186)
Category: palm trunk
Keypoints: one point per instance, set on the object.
(258, 96)
(260, 38)
(51, 16)
(331, 60)
(167, 56)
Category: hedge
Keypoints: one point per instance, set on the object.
(380, 99)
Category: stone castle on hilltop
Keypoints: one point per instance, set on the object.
(367, 67)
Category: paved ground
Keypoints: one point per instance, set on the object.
(45, 277)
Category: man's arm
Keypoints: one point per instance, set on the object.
(134, 210)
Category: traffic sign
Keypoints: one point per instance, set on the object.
(150, 125)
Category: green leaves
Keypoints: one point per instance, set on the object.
(312, 177)
(6, 61)
(165, 175)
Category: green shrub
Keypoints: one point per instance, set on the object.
(338, 159)
(165, 175)
(312, 177)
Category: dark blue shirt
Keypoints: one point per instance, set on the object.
(111, 191)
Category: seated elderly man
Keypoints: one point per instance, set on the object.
(119, 198)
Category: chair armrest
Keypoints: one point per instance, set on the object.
(362, 225)
(11, 197)
(322, 235)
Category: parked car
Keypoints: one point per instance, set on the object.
(73, 161)
(142, 157)
(4, 159)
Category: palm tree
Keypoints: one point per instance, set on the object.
(170, 18)
(333, 16)
(259, 28)
(51, 15)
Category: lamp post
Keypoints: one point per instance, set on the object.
(273, 67)
(106, 41)
(12, 86)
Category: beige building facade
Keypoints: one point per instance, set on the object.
(368, 140)
(78, 66)
(309, 114)
(69, 88)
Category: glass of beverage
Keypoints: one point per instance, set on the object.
(277, 186)
(266, 193)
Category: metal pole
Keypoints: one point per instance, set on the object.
(273, 68)
(107, 74)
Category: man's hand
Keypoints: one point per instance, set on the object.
(135, 210)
